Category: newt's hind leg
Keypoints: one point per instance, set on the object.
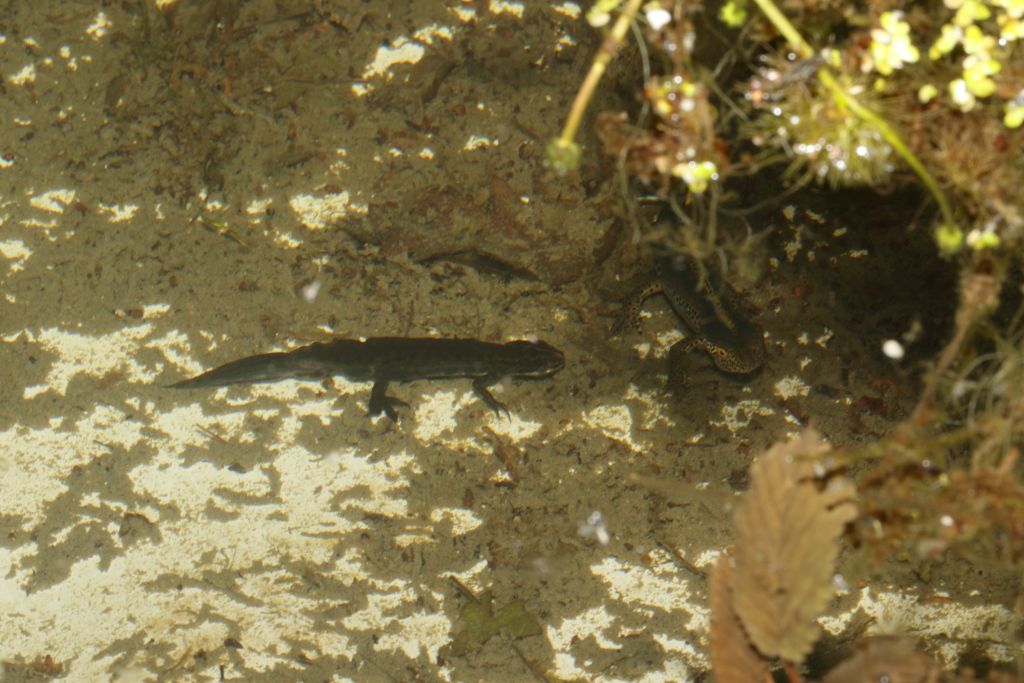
(680, 363)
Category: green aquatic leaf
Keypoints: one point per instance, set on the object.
(478, 623)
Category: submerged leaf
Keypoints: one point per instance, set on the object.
(787, 540)
(733, 657)
(886, 659)
(478, 622)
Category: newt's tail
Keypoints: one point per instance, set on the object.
(265, 367)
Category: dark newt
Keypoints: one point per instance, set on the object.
(483, 263)
(382, 360)
(710, 309)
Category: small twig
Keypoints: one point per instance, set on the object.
(463, 589)
(678, 558)
(978, 294)
(212, 434)
(563, 151)
(534, 668)
(645, 62)
(223, 229)
(506, 454)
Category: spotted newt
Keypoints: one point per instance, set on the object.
(382, 360)
(709, 307)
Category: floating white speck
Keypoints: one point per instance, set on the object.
(594, 526)
(893, 349)
(478, 141)
(310, 291)
(658, 17)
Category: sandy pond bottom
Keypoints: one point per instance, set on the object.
(176, 195)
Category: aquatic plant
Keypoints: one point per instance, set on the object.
(902, 90)
(934, 89)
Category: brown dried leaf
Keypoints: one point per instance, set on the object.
(787, 533)
(886, 659)
(733, 657)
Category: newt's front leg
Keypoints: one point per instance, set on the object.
(480, 385)
(380, 402)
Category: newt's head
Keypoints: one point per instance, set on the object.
(535, 359)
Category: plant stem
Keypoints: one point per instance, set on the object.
(609, 47)
(787, 29)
